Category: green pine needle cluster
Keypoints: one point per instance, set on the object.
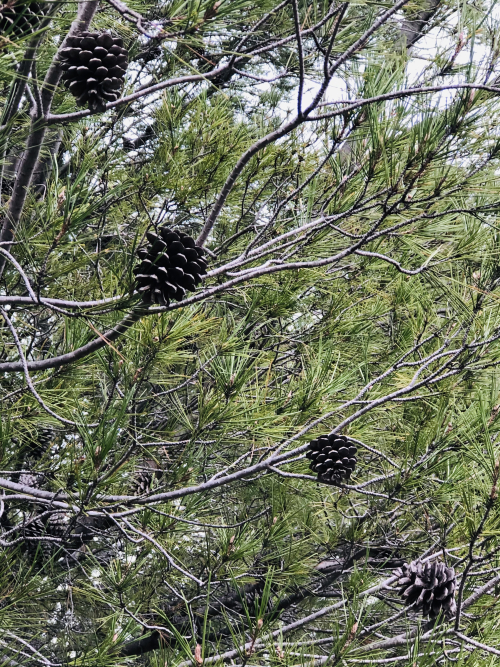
(340, 166)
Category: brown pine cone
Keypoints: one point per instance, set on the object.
(94, 67)
(143, 479)
(333, 458)
(430, 587)
(18, 19)
(170, 266)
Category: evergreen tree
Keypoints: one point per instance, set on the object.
(250, 332)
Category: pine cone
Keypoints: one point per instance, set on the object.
(37, 447)
(333, 458)
(19, 18)
(429, 587)
(58, 525)
(31, 479)
(144, 479)
(94, 67)
(34, 526)
(172, 265)
(36, 529)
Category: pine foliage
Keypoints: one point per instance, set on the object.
(249, 334)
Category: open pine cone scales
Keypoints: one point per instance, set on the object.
(170, 266)
(19, 18)
(430, 587)
(333, 458)
(94, 67)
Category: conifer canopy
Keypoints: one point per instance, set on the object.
(249, 333)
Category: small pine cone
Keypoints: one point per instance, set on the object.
(430, 587)
(36, 529)
(45, 437)
(41, 444)
(58, 525)
(172, 265)
(31, 479)
(18, 19)
(55, 526)
(333, 458)
(34, 526)
(94, 67)
(143, 480)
